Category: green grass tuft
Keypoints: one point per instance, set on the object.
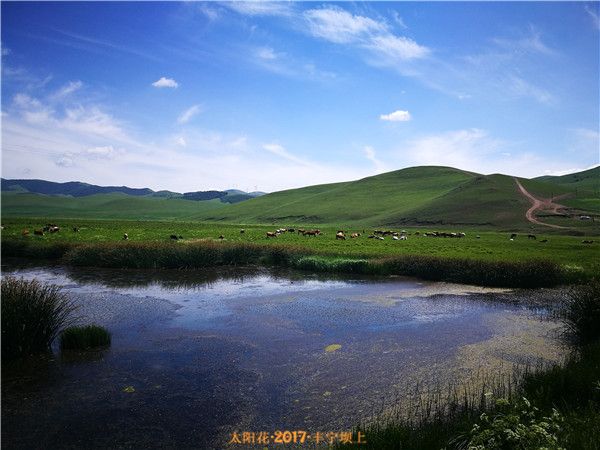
(84, 337)
(32, 316)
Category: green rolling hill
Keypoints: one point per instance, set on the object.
(413, 196)
(103, 206)
(428, 195)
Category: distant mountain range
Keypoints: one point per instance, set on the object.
(427, 195)
(79, 189)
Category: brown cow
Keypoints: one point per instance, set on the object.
(271, 234)
(355, 235)
(312, 233)
(38, 232)
(25, 232)
(340, 235)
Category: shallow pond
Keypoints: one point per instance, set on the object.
(198, 355)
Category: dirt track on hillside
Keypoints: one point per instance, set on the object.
(539, 204)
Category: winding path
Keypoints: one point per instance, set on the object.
(538, 204)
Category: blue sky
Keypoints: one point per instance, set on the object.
(268, 96)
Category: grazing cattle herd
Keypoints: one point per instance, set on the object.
(340, 234)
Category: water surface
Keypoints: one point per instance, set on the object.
(210, 352)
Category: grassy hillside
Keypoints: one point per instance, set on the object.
(372, 200)
(588, 180)
(414, 196)
(584, 187)
(103, 206)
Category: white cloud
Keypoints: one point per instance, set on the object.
(5, 51)
(180, 140)
(266, 53)
(261, 8)
(338, 25)
(383, 47)
(594, 14)
(165, 83)
(394, 48)
(396, 116)
(187, 115)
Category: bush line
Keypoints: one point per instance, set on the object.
(156, 255)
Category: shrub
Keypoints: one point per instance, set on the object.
(32, 316)
(581, 314)
(81, 338)
(516, 426)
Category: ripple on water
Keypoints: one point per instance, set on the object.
(210, 352)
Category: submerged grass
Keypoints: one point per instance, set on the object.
(84, 337)
(556, 407)
(32, 316)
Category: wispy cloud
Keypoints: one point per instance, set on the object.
(370, 155)
(266, 53)
(396, 48)
(279, 150)
(92, 43)
(396, 116)
(383, 47)
(261, 8)
(164, 82)
(594, 13)
(338, 25)
(187, 115)
(399, 21)
(67, 89)
(530, 42)
(519, 87)
(286, 65)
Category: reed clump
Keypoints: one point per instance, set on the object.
(33, 314)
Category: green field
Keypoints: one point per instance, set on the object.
(491, 246)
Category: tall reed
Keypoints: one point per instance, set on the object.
(33, 314)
